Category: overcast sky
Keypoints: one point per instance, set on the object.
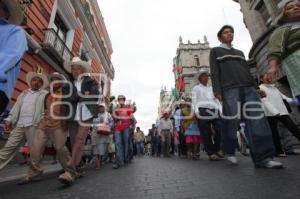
(145, 36)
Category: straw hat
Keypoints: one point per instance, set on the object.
(56, 75)
(203, 71)
(77, 61)
(31, 75)
(102, 104)
(16, 14)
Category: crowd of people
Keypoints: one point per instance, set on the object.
(64, 110)
(228, 95)
(54, 108)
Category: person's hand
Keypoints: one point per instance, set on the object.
(87, 92)
(8, 126)
(295, 102)
(219, 97)
(273, 70)
(261, 93)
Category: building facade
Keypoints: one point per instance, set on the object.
(57, 31)
(189, 60)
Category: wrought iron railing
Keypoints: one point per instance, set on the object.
(53, 41)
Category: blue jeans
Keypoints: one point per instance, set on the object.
(121, 143)
(140, 148)
(257, 130)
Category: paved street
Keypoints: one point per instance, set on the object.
(170, 178)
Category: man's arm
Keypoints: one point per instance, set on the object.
(275, 52)
(215, 74)
(14, 113)
(15, 47)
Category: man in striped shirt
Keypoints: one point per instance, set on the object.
(235, 87)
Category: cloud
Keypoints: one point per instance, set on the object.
(145, 33)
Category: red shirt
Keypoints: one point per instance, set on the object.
(123, 116)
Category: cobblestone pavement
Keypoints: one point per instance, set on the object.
(149, 177)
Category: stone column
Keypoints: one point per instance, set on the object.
(253, 20)
(272, 8)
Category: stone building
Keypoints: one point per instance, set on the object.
(189, 59)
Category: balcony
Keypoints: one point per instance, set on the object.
(56, 47)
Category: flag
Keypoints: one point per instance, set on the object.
(179, 83)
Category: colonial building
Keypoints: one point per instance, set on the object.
(58, 30)
(189, 59)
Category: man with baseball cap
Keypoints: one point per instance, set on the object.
(123, 116)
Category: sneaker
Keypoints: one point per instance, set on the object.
(270, 164)
(66, 178)
(281, 155)
(232, 159)
(116, 166)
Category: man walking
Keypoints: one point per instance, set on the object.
(208, 109)
(235, 87)
(24, 116)
(51, 127)
(139, 139)
(83, 101)
(165, 129)
(123, 116)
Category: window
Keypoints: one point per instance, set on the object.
(60, 28)
(102, 87)
(196, 60)
(103, 84)
(84, 55)
(63, 22)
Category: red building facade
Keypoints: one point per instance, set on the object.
(58, 30)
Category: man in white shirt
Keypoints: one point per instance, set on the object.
(165, 128)
(24, 116)
(208, 108)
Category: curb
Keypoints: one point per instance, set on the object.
(15, 178)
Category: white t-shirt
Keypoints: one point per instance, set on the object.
(273, 102)
(203, 97)
(82, 112)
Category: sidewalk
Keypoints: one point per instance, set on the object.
(17, 172)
